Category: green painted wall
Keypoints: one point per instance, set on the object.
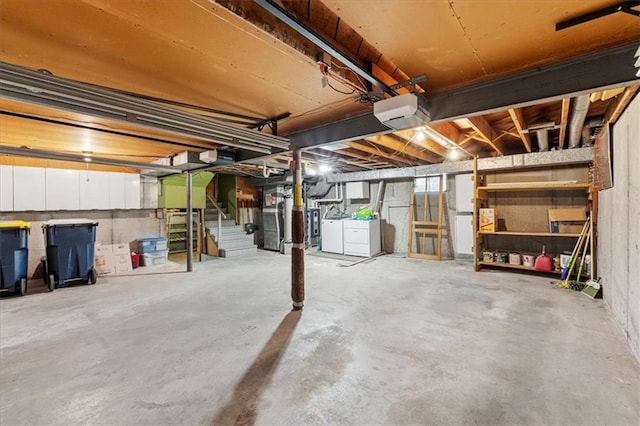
(227, 193)
(173, 191)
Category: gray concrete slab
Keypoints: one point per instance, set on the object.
(390, 341)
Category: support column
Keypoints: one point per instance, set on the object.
(297, 227)
(189, 224)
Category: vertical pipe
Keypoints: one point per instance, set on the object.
(189, 224)
(297, 228)
(288, 210)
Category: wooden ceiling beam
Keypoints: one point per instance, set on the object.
(449, 131)
(487, 133)
(378, 152)
(518, 119)
(370, 158)
(405, 148)
(410, 135)
(313, 155)
(615, 108)
(564, 117)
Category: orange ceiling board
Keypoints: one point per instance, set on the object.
(194, 52)
(420, 37)
(459, 42)
(56, 164)
(80, 123)
(21, 132)
(529, 27)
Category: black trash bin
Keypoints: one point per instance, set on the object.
(14, 256)
(70, 249)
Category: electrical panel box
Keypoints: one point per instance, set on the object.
(357, 190)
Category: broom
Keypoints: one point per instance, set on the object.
(574, 253)
(565, 282)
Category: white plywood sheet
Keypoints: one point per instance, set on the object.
(464, 234)
(29, 189)
(6, 188)
(94, 190)
(464, 193)
(62, 189)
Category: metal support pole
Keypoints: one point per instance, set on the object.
(297, 227)
(189, 225)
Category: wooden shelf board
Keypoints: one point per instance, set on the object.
(530, 234)
(521, 267)
(534, 187)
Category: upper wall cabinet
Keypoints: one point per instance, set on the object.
(93, 190)
(42, 189)
(131, 191)
(6, 188)
(29, 188)
(62, 189)
(357, 190)
(116, 191)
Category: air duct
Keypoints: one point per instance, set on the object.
(543, 140)
(577, 120)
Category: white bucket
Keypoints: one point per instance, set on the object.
(515, 259)
(528, 259)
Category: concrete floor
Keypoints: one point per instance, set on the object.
(390, 341)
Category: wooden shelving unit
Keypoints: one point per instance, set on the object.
(524, 203)
(177, 231)
(509, 266)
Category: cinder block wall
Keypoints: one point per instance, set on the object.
(619, 228)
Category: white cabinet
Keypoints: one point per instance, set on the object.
(131, 191)
(116, 191)
(357, 190)
(94, 190)
(361, 237)
(331, 234)
(6, 188)
(29, 189)
(62, 189)
(42, 189)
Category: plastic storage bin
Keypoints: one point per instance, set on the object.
(157, 258)
(14, 255)
(151, 244)
(70, 248)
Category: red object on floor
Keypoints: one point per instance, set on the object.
(135, 260)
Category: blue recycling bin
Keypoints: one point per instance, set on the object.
(14, 256)
(70, 250)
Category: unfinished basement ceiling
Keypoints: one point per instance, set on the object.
(234, 56)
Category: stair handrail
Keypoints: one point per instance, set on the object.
(220, 216)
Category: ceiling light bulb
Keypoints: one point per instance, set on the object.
(454, 154)
(324, 168)
(420, 135)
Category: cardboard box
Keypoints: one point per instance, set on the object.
(488, 220)
(103, 259)
(122, 258)
(567, 221)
